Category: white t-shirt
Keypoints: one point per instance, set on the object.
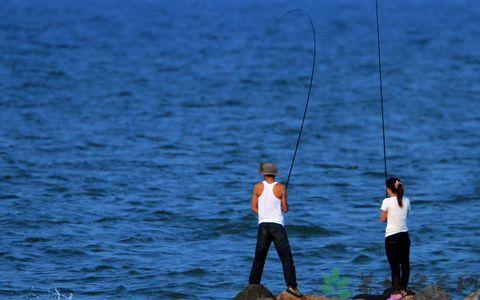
(397, 216)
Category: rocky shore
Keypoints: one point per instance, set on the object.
(254, 292)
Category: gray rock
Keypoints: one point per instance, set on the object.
(369, 297)
(288, 296)
(432, 292)
(386, 293)
(473, 296)
(254, 292)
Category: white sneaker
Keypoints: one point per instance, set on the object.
(295, 292)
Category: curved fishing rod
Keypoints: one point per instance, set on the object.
(309, 87)
(381, 96)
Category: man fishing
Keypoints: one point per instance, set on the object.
(269, 201)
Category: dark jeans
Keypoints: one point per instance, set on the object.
(268, 232)
(397, 247)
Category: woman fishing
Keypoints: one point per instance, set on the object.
(395, 211)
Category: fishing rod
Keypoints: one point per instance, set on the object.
(381, 96)
(309, 87)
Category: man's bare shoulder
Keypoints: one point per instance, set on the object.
(258, 186)
(279, 188)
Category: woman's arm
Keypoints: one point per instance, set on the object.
(383, 216)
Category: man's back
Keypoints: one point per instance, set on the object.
(270, 204)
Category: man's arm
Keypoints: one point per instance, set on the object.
(254, 202)
(284, 199)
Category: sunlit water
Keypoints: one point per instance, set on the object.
(131, 133)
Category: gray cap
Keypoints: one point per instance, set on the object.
(267, 169)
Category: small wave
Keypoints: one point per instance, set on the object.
(57, 74)
(167, 295)
(98, 19)
(56, 293)
(98, 268)
(167, 69)
(61, 293)
(66, 46)
(95, 192)
(309, 231)
(65, 252)
(196, 272)
(109, 219)
(336, 247)
(248, 81)
(340, 184)
(91, 279)
(159, 215)
(366, 205)
(163, 212)
(359, 259)
(137, 238)
(95, 145)
(232, 102)
(373, 174)
(58, 189)
(196, 104)
(58, 177)
(333, 166)
(34, 239)
(281, 82)
(95, 248)
(8, 197)
(461, 199)
(424, 229)
(17, 258)
(438, 252)
(168, 147)
(124, 94)
(373, 249)
(34, 84)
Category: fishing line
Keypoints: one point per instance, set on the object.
(381, 95)
(309, 87)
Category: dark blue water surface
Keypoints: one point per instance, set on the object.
(131, 133)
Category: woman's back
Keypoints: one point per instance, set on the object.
(397, 216)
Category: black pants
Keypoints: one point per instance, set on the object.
(268, 232)
(397, 247)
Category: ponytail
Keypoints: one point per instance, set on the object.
(400, 194)
(396, 186)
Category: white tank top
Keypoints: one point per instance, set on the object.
(269, 206)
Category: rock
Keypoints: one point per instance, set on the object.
(368, 297)
(473, 296)
(254, 292)
(432, 292)
(383, 296)
(288, 296)
(258, 291)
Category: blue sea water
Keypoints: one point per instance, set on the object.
(131, 133)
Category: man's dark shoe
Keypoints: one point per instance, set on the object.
(295, 292)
